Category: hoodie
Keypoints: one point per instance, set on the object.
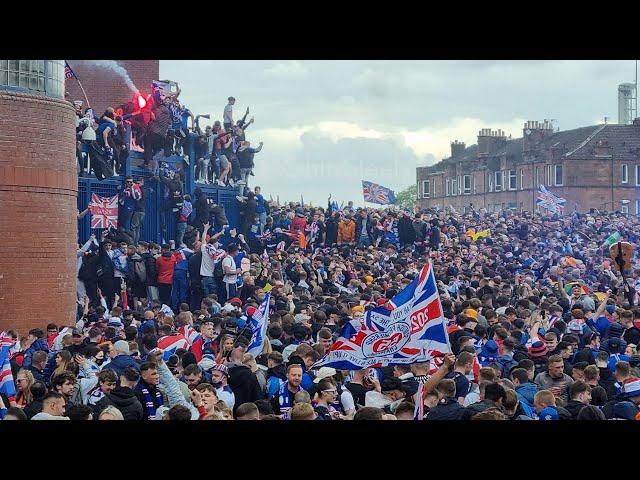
(574, 407)
(447, 409)
(124, 400)
(526, 392)
(121, 363)
(38, 344)
(275, 377)
(243, 384)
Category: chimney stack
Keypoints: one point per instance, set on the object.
(537, 132)
(457, 148)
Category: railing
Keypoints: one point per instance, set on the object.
(156, 214)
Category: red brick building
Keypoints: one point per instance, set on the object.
(591, 167)
(104, 87)
(38, 189)
(39, 184)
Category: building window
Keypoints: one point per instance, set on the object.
(498, 181)
(625, 173)
(459, 185)
(513, 180)
(547, 175)
(537, 179)
(467, 184)
(434, 189)
(558, 175)
(426, 190)
(446, 184)
(454, 186)
(522, 179)
(44, 77)
(624, 207)
(638, 207)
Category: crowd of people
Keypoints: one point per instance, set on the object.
(224, 156)
(541, 324)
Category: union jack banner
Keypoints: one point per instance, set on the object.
(7, 386)
(104, 211)
(190, 333)
(170, 343)
(414, 330)
(549, 201)
(374, 193)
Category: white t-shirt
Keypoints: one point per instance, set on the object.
(227, 397)
(210, 255)
(229, 262)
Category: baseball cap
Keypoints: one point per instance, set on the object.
(235, 301)
(323, 373)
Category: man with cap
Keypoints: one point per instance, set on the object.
(219, 379)
(122, 360)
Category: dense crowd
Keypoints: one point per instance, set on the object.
(224, 156)
(541, 324)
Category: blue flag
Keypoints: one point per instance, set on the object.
(374, 193)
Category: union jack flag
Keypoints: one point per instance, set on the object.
(7, 386)
(549, 201)
(374, 193)
(104, 211)
(414, 330)
(190, 333)
(170, 343)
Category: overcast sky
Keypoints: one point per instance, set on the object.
(327, 125)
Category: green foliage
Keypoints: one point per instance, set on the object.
(407, 198)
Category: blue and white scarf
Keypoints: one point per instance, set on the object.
(285, 398)
(148, 401)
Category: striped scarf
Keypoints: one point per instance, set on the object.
(285, 397)
(148, 401)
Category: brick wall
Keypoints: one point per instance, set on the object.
(105, 88)
(38, 227)
(586, 184)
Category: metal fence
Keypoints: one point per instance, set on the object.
(157, 214)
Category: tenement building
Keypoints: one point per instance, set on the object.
(591, 167)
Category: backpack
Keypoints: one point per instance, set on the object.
(140, 270)
(218, 272)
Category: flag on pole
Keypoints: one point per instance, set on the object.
(374, 193)
(418, 412)
(68, 73)
(259, 322)
(414, 331)
(7, 387)
(549, 201)
(613, 238)
(170, 343)
(104, 211)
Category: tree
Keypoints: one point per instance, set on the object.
(407, 198)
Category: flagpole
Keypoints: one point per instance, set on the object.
(84, 93)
